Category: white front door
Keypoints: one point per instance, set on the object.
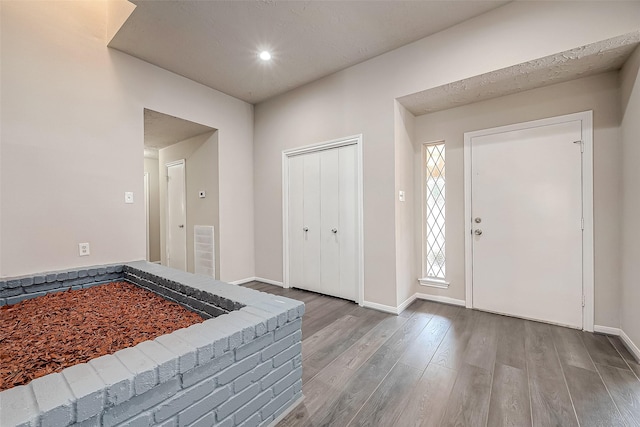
(176, 216)
(526, 221)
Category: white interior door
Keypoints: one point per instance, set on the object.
(330, 222)
(323, 227)
(348, 231)
(296, 228)
(176, 216)
(526, 213)
(311, 251)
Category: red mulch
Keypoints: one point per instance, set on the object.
(49, 333)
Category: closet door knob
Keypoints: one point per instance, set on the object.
(306, 229)
(334, 230)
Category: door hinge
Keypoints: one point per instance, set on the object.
(582, 223)
(581, 145)
(583, 300)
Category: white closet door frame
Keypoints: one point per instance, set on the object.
(336, 143)
(586, 118)
(146, 209)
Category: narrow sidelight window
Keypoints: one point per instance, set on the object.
(434, 238)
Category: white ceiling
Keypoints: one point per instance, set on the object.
(216, 43)
(162, 130)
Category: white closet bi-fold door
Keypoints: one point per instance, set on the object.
(323, 227)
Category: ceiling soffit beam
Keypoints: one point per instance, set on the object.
(595, 58)
(118, 11)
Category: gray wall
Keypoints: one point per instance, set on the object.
(151, 167)
(630, 297)
(72, 139)
(201, 173)
(407, 245)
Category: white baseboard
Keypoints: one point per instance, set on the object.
(399, 309)
(269, 281)
(380, 307)
(402, 307)
(631, 346)
(438, 298)
(242, 281)
(608, 330)
(257, 279)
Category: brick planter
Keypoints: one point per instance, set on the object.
(241, 366)
(17, 289)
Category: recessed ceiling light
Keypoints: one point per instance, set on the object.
(265, 56)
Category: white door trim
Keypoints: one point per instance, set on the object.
(351, 140)
(166, 206)
(586, 118)
(146, 208)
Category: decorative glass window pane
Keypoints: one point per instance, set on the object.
(435, 214)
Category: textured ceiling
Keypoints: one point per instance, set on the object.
(216, 43)
(607, 55)
(162, 130)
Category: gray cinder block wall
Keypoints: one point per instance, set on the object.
(16, 289)
(242, 368)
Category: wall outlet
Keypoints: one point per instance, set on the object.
(128, 196)
(83, 249)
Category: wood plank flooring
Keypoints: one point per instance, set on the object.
(440, 365)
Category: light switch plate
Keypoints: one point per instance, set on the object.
(401, 195)
(128, 196)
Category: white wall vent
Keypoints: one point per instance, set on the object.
(204, 250)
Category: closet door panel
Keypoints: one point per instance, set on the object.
(296, 220)
(348, 222)
(311, 221)
(330, 221)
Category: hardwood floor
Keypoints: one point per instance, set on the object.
(440, 365)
